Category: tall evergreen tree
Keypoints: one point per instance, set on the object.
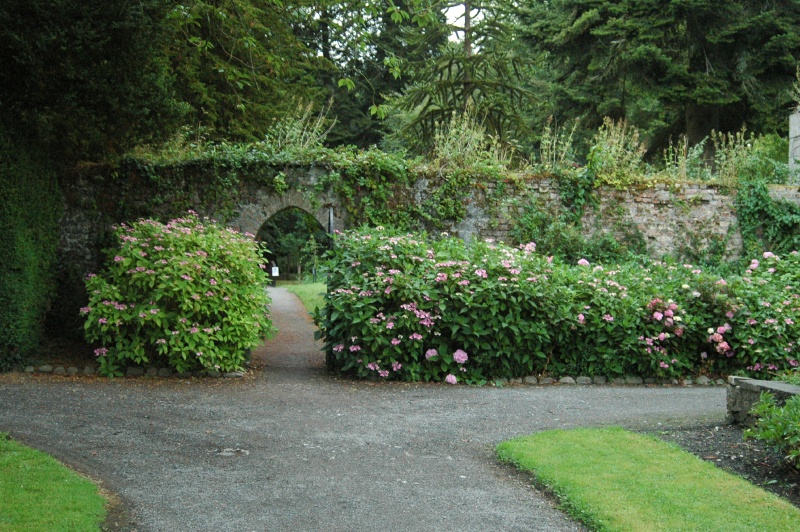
(478, 66)
(670, 67)
(239, 64)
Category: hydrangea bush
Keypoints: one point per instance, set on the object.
(411, 307)
(185, 294)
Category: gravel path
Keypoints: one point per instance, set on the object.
(291, 448)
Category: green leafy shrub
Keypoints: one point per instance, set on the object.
(401, 306)
(185, 294)
(778, 426)
(31, 206)
(766, 312)
(792, 376)
(558, 232)
(766, 223)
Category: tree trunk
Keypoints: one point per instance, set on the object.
(701, 120)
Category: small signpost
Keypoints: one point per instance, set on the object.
(794, 142)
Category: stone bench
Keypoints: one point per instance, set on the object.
(744, 392)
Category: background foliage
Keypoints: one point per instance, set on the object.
(219, 82)
(31, 207)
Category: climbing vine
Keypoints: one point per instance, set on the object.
(765, 223)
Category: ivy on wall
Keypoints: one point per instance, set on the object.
(29, 216)
(765, 223)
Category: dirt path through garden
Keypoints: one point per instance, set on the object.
(294, 346)
(289, 447)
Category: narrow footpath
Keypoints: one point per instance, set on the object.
(289, 447)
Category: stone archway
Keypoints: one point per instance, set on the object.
(260, 207)
(294, 241)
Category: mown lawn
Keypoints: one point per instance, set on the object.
(39, 493)
(613, 479)
(311, 294)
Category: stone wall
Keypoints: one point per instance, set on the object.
(669, 217)
(744, 393)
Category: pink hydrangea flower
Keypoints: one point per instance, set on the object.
(395, 341)
(608, 317)
(430, 353)
(658, 316)
(581, 319)
(583, 262)
(460, 356)
(450, 379)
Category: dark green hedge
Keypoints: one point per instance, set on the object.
(31, 206)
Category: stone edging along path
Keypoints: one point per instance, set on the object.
(135, 371)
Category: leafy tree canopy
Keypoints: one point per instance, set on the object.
(85, 77)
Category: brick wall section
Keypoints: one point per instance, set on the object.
(790, 193)
(668, 216)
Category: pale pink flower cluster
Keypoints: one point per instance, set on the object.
(583, 262)
(717, 337)
(430, 353)
(460, 356)
(451, 379)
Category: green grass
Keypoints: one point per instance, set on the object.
(38, 493)
(612, 479)
(311, 294)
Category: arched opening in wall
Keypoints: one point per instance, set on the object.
(295, 242)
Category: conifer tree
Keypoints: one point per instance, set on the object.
(670, 67)
(478, 66)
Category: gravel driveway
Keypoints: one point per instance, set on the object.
(288, 447)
